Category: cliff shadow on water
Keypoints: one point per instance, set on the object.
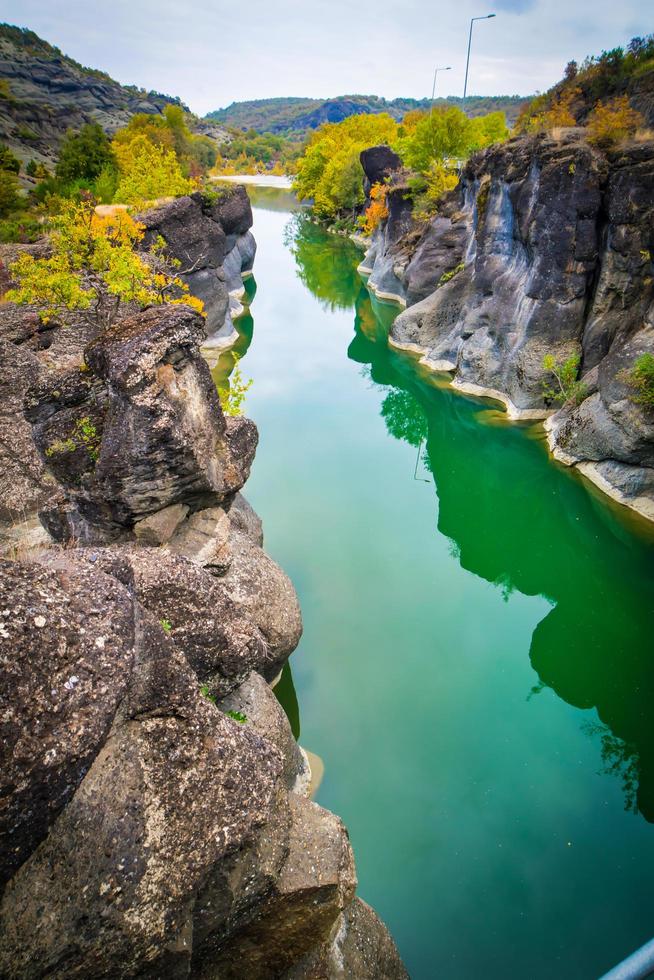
(519, 521)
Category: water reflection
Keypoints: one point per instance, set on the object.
(521, 523)
(327, 265)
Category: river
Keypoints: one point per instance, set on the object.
(477, 665)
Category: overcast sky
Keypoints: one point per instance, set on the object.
(211, 53)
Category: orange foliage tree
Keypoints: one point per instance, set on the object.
(377, 210)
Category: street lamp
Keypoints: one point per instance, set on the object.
(433, 88)
(431, 110)
(472, 21)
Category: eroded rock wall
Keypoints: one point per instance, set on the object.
(545, 248)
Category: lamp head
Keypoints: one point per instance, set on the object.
(490, 15)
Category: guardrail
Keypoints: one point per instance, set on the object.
(637, 966)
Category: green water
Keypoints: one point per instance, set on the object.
(477, 666)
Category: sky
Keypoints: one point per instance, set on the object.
(212, 53)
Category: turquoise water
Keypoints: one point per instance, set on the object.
(477, 666)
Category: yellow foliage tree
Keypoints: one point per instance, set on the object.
(147, 172)
(94, 268)
(330, 171)
(612, 122)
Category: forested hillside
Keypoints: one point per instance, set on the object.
(293, 117)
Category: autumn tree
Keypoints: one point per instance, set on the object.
(94, 269)
(376, 211)
(612, 122)
(148, 172)
(330, 171)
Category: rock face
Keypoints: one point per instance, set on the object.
(153, 801)
(211, 239)
(50, 93)
(380, 264)
(138, 428)
(544, 248)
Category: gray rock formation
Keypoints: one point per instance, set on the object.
(211, 239)
(544, 248)
(149, 833)
(383, 264)
(138, 428)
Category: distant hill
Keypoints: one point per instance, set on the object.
(295, 116)
(43, 93)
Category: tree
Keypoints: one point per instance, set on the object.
(612, 122)
(94, 268)
(330, 171)
(429, 188)
(376, 211)
(566, 387)
(9, 193)
(148, 172)
(8, 161)
(571, 70)
(84, 155)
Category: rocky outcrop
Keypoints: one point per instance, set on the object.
(137, 428)
(545, 248)
(209, 235)
(381, 264)
(154, 813)
(49, 93)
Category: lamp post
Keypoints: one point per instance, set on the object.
(472, 21)
(433, 88)
(431, 110)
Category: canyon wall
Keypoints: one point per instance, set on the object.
(544, 248)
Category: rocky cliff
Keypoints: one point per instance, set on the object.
(155, 814)
(209, 235)
(545, 248)
(43, 93)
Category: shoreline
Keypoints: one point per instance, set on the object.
(256, 180)
(587, 469)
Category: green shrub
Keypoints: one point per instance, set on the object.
(565, 385)
(21, 227)
(8, 161)
(9, 193)
(84, 155)
(641, 379)
(232, 397)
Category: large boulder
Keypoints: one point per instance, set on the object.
(218, 639)
(67, 644)
(208, 235)
(255, 702)
(139, 426)
(378, 163)
(315, 884)
(360, 947)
